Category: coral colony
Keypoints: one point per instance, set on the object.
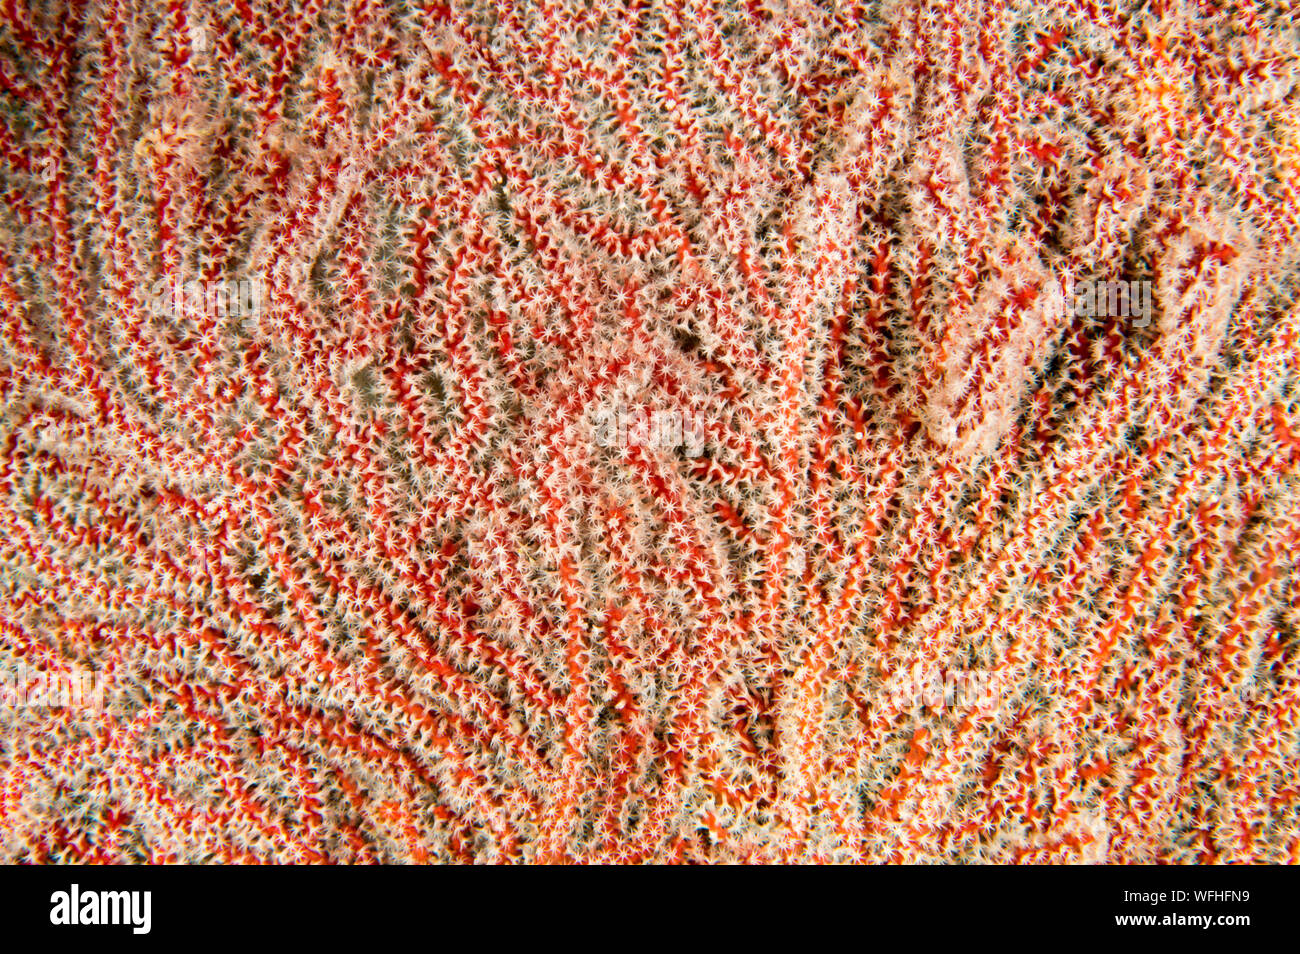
(659, 431)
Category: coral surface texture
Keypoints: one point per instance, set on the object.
(545, 431)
